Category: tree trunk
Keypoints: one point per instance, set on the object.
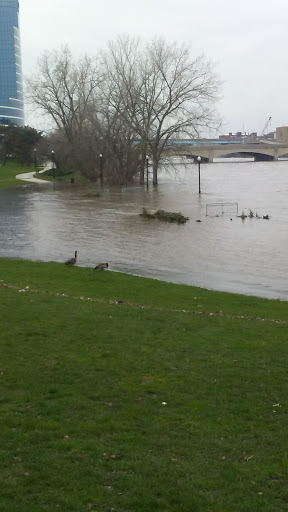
(155, 171)
(142, 168)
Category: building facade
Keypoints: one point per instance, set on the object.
(282, 134)
(11, 85)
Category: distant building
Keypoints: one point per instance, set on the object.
(269, 136)
(231, 136)
(282, 134)
(11, 87)
(239, 136)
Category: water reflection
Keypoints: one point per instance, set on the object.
(49, 222)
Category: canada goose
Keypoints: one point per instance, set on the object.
(72, 261)
(101, 266)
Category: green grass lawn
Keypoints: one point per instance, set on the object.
(9, 171)
(121, 407)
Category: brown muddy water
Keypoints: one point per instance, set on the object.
(49, 222)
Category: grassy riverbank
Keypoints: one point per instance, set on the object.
(63, 176)
(115, 406)
(9, 171)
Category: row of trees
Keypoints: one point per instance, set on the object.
(127, 102)
(19, 142)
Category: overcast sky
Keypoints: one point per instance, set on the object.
(247, 40)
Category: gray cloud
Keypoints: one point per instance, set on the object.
(247, 40)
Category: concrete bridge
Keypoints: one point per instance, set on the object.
(261, 151)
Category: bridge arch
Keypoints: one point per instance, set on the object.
(258, 157)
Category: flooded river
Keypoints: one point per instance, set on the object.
(49, 222)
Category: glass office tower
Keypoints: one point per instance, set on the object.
(11, 88)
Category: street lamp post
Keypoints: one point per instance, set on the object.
(3, 146)
(53, 163)
(199, 176)
(35, 160)
(101, 169)
(147, 171)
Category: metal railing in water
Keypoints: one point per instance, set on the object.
(216, 209)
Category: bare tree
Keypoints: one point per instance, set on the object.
(128, 102)
(164, 91)
(65, 90)
(120, 135)
(70, 93)
(120, 90)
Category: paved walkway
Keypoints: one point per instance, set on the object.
(29, 176)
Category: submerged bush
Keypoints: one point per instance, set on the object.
(165, 216)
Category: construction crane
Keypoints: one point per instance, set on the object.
(266, 126)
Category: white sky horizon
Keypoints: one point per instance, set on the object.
(246, 40)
